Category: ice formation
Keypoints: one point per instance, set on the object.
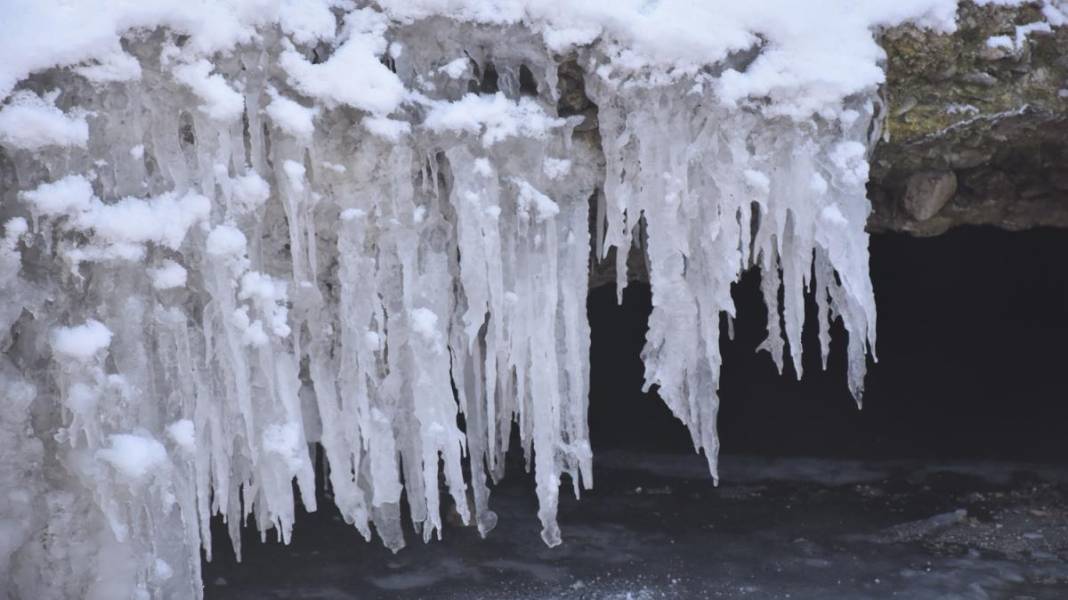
(232, 230)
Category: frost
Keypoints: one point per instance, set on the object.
(240, 228)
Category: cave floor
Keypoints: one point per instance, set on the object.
(654, 526)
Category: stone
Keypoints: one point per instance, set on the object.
(927, 192)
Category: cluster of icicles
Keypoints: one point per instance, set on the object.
(193, 299)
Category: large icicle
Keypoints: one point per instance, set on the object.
(719, 191)
(234, 231)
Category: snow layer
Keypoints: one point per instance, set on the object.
(259, 225)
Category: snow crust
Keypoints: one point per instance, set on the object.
(236, 229)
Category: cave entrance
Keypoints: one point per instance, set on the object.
(952, 480)
(971, 344)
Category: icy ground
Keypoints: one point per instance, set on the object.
(655, 528)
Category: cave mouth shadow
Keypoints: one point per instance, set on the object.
(971, 329)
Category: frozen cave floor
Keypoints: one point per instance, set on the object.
(654, 526)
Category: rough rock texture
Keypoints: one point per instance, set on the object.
(926, 192)
(995, 116)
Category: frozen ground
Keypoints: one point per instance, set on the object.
(655, 527)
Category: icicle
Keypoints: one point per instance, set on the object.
(654, 137)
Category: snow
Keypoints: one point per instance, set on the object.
(353, 74)
(31, 122)
(496, 117)
(169, 275)
(292, 117)
(1056, 13)
(531, 199)
(285, 441)
(1023, 31)
(269, 295)
(81, 398)
(304, 223)
(456, 68)
(225, 240)
(350, 214)
(163, 570)
(295, 173)
(124, 224)
(72, 194)
(14, 228)
(1000, 41)
(757, 180)
(250, 191)
(307, 21)
(556, 168)
(110, 68)
(425, 323)
(387, 129)
(483, 167)
(133, 455)
(163, 220)
(220, 100)
(81, 342)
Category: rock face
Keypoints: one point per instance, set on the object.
(977, 125)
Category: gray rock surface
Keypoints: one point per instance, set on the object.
(926, 192)
(994, 116)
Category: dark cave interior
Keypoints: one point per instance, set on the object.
(971, 343)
